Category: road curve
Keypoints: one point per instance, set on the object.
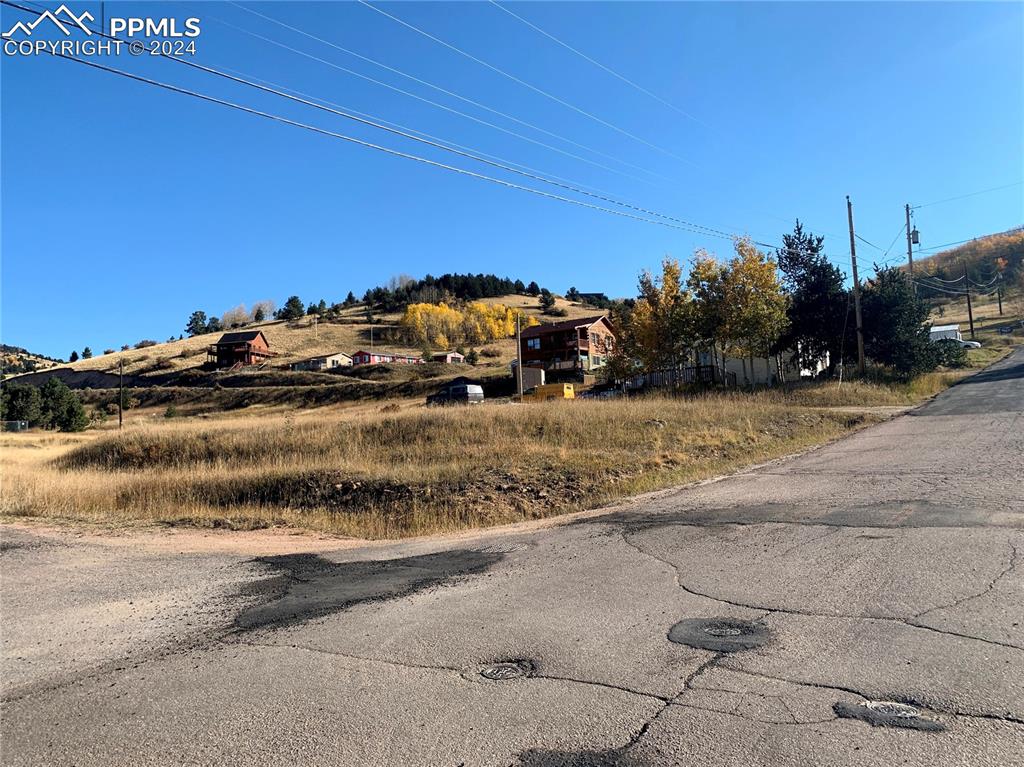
(860, 604)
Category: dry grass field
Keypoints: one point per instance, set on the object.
(411, 470)
(377, 469)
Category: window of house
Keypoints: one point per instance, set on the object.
(533, 343)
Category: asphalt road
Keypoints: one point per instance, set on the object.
(750, 621)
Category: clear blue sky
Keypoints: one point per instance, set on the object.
(126, 207)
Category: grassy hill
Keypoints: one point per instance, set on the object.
(172, 374)
(15, 360)
(301, 339)
(981, 256)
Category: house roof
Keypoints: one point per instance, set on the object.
(241, 336)
(554, 327)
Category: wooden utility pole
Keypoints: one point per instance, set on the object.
(519, 359)
(120, 394)
(970, 312)
(999, 292)
(910, 248)
(856, 289)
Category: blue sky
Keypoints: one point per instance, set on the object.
(126, 207)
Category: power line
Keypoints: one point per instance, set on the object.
(428, 84)
(435, 103)
(677, 223)
(596, 63)
(903, 228)
(870, 244)
(399, 126)
(969, 194)
(359, 142)
(525, 84)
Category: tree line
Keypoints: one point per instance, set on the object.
(50, 406)
(760, 305)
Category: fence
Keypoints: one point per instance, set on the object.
(693, 375)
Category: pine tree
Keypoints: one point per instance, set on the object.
(197, 323)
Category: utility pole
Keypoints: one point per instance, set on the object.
(856, 289)
(970, 313)
(519, 359)
(910, 249)
(999, 291)
(120, 395)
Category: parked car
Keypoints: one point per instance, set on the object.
(458, 394)
(963, 344)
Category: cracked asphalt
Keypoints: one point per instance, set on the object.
(884, 567)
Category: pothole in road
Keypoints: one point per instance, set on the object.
(506, 670)
(888, 713)
(719, 634)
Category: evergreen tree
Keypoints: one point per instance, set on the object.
(61, 408)
(73, 357)
(292, 309)
(572, 294)
(21, 403)
(519, 287)
(547, 301)
(197, 323)
(350, 299)
(896, 328)
(86, 353)
(214, 325)
(819, 305)
(533, 289)
(259, 315)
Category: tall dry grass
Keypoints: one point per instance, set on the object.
(414, 472)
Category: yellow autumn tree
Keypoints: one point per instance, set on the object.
(658, 332)
(441, 326)
(753, 306)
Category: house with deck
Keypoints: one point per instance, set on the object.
(581, 345)
(243, 347)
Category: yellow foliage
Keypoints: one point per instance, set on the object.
(442, 326)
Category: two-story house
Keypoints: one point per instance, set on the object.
(583, 344)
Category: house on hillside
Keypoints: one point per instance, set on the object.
(324, 362)
(244, 347)
(363, 357)
(581, 345)
(448, 357)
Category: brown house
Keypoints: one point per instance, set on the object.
(245, 347)
(584, 344)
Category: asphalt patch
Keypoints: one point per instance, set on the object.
(888, 713)
(719, 634)
(309, 586)
(504, 671)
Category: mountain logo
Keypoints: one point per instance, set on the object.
(62, 18)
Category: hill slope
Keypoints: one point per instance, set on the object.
(295, 341)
